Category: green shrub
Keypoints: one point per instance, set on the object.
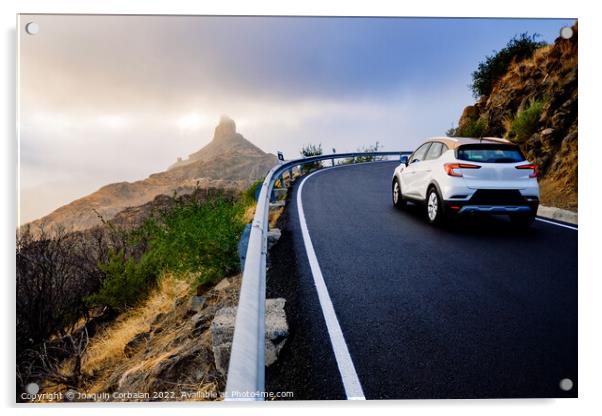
(369, 149)
(361, 159)
(126, 281)
(472, 128)
(452, 132)
(526, 122)
(311, 150)
(248, 194)
(495, 66)
(194, 236)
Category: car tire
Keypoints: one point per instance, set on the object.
(398, 201)
(523, 220)
(434, 207)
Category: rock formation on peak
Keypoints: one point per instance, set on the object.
(225, 128)
(225, 141)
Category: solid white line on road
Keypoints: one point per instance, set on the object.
(351, 383)
(557, 223)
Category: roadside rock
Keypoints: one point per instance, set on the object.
(280, 193)
(187, 365)
(558, 214)
(197, 303)
(222, 332)
(178, 364)
(202, 323)
(276, 329)
(273, 237)
(222, 326)
(470, 113)
(223, 284)
(131, 347)
(277, 204)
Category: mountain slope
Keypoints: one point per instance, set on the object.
(548, 78)
(229, 161)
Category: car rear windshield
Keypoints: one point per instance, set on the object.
(490, 153)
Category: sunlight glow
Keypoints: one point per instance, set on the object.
(112, 121)
(192, 121)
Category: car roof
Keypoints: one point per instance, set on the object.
(453, 142)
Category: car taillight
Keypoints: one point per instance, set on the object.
(532, 167)
(450, 168)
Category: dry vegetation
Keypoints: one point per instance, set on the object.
(249, 213)
(162, 345)
(107, 347)
(274, 215)
(110, 310)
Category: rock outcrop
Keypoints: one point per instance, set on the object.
(227, 143)
(222, 332)
(549, 77)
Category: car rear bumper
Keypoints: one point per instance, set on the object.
(495, 209)
(526, 206)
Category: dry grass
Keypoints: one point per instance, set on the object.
(274, 215)
(107, 347)
(518, 70)
(507, 124)
(249, 213)
(554, 193)
(149, 366)
(145, 367)
(542, 53)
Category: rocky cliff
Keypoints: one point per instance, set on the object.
(548, 79)
(228, 162)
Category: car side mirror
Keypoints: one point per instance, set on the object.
(404, 159)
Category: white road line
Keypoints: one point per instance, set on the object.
(351, 383)
(558, 224)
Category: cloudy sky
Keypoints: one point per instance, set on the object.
(114, 98)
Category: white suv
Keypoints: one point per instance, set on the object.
(468, 176)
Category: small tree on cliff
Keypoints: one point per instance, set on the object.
(495, 66)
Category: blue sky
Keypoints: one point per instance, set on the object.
(113, 98)
(348, 56)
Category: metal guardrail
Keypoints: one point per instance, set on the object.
(246, 371)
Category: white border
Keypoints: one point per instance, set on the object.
(570, 227)
(590, 285)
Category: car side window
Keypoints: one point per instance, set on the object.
(434, 151)
(420, 153)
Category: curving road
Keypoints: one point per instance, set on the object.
(474, 310)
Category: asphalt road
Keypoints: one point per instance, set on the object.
(477, 309)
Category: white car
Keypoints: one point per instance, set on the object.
(468, 176)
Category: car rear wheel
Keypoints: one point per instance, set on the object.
(434, 207)
(398, 200)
